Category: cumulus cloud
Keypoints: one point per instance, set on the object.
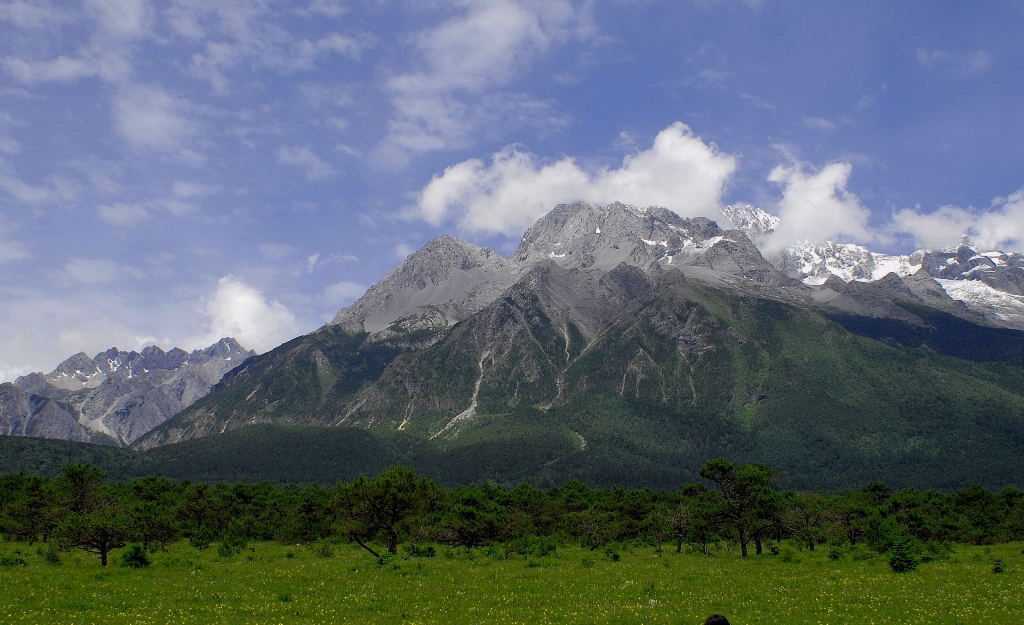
(477, 52)
(241, 311)
(313, 167)
(816, 206)
(1001, 226)
(679, 171)
(148, 117)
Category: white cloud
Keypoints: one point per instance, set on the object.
(818, 123)
(275, 251)
(107, 54)
(816, 206)
(98, 270)
(311, 262)
(60, 69)
(401, 250)
(239, 310)
(313, 167)
(679, 171)
(121, 19)
(133, 213)
(23, 191)
(477, 52)
(10, 250)
(148, 117)
(238, 33)
(10, 372)
(31, 14)
(326, 8)
(185, 189)
(1001, 226)
(123, 213)
(959, 63)
(343, 293)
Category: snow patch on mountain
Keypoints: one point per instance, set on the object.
(814, 263)
(980, 296)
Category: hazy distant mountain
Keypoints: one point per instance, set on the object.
(116, 396)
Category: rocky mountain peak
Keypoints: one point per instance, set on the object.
(454, 276)
(588, 236)
(750, 219)
(115, 396)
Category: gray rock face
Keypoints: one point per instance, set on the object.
(1001, 271)
(750, 219)
(116, 396)
(448, 280)
(585, 236)
(442, 283)
(23, 413)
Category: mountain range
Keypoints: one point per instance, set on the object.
(627, 345)
(116, 396)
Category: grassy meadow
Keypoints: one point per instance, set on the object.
(271, 583)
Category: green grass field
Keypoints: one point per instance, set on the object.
(275, 584)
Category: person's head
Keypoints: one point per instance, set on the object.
(716, 619)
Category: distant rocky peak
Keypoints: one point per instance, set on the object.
(456, 277)
(589, 236)
(78, 363)
(226, 347)
(750, 219)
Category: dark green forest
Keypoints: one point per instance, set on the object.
(400, 513)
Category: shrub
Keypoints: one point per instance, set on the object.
(135, 557)
(835, 553)
(15, 560)
(322, 549)
(787, 554)
(49, 552)
(415, 551)
(997, 566)
(935, 550)
(532, 545)
(903, 557)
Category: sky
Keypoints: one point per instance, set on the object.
(176, 171)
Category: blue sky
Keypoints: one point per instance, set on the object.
(176, 171)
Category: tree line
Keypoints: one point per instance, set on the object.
(401, 511)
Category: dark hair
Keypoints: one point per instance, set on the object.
(716, 619)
